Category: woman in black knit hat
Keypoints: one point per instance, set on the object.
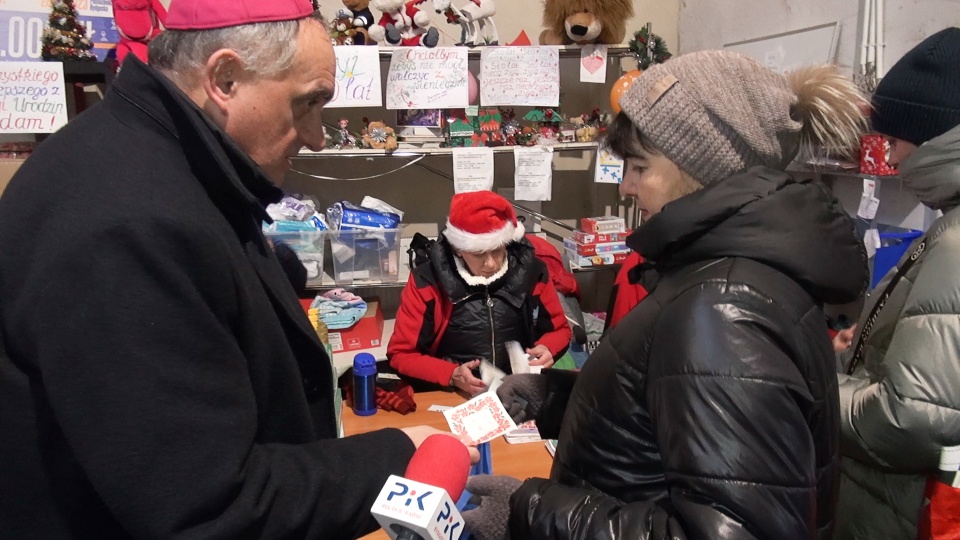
(900, 395)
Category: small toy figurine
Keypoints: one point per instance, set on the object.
(547, 122)
(403, 24)
(345, 139)
(475, 19)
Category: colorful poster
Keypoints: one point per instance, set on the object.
(520, 76)
(22, 23)
(424, 78)
(32, 98)
(357, 78)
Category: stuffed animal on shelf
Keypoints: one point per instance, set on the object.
(585, 21)
(380, 136)
(138, 21)
(342, 31)
(362, 19)
(403, 24)
(475, 19)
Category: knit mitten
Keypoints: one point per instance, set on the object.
(523, 395)
(488, 521)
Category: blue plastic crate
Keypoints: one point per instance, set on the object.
(893, 245)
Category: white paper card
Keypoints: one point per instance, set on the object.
(520, 76)
(472, 169)
(533, 176)
(33, 98)
(481, 419)
(871, 241)
(491, 375)
(869, 187)
(357, 77)
(868, 207)
(425, 78)
(439, 408)
(609, 168)
(593, 64)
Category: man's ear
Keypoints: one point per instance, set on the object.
(220, 76)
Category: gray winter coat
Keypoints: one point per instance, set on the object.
(902, 404)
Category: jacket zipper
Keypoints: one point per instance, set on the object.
(493, 332)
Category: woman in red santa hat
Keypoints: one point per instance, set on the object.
(482, 287)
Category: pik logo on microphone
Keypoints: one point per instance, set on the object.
(402, 490)
(450, 521)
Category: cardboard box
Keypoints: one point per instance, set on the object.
(583, 237)
(594, 249)
(366, 334)
(602, 259)
(7, 168)
(603, 224)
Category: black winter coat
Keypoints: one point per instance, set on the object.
(158, 378)
(711, 410)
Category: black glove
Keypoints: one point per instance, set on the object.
(523, 395)
(488, 521)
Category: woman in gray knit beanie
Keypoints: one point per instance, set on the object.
(711, 409)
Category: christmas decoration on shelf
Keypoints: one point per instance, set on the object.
(379, 136)
(361, 18)
(649, 48)
(403, 24)
(342, 31)
(547, 122)
(475, 19)
(585, 21)
(509, 126)
(65, 38)
(590, 126)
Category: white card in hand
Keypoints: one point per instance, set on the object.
(491, 375)
(481, 419)
(519, 359)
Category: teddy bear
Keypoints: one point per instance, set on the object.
(361, 19)
(403, 24)
(380, 136)
(585, 21)
(138, 21)
(342, 31)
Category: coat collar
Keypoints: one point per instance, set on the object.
(222, 167)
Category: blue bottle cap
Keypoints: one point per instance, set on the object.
(364, 364)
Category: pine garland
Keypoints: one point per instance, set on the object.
(65, 38)
(645, 53)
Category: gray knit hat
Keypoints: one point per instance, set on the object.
(714, 113)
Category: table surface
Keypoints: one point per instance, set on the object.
(521, 461)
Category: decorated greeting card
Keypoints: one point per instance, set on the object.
(481, 419)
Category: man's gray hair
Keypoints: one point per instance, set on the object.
(265, 48)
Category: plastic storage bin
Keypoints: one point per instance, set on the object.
(308, 245)
(893, 244)
(365, 256)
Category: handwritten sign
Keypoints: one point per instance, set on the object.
(31, 97)
(357, 78)
(520, 76)
(424, 78)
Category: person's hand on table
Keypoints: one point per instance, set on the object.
(542, 356)
(464, 380)
(418, 434)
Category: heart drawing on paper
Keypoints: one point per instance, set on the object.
(593, 62)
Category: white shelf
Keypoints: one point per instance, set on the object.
(565, 50)
(404, 152)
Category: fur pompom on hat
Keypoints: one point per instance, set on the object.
(481, 221)
(715, 113)
(211, 14)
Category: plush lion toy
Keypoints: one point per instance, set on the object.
(585, 21)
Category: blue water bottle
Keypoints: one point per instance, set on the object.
(364, 384)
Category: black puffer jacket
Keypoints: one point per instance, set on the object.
(711, 410)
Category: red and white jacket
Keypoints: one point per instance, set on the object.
(426, 310)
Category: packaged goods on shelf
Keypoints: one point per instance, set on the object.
(603, 224)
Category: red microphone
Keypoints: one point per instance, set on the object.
(422, 504)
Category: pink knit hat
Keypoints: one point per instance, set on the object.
(211, 14)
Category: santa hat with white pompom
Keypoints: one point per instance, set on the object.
(481, 221)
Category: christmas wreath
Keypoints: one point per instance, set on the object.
(649, 48)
